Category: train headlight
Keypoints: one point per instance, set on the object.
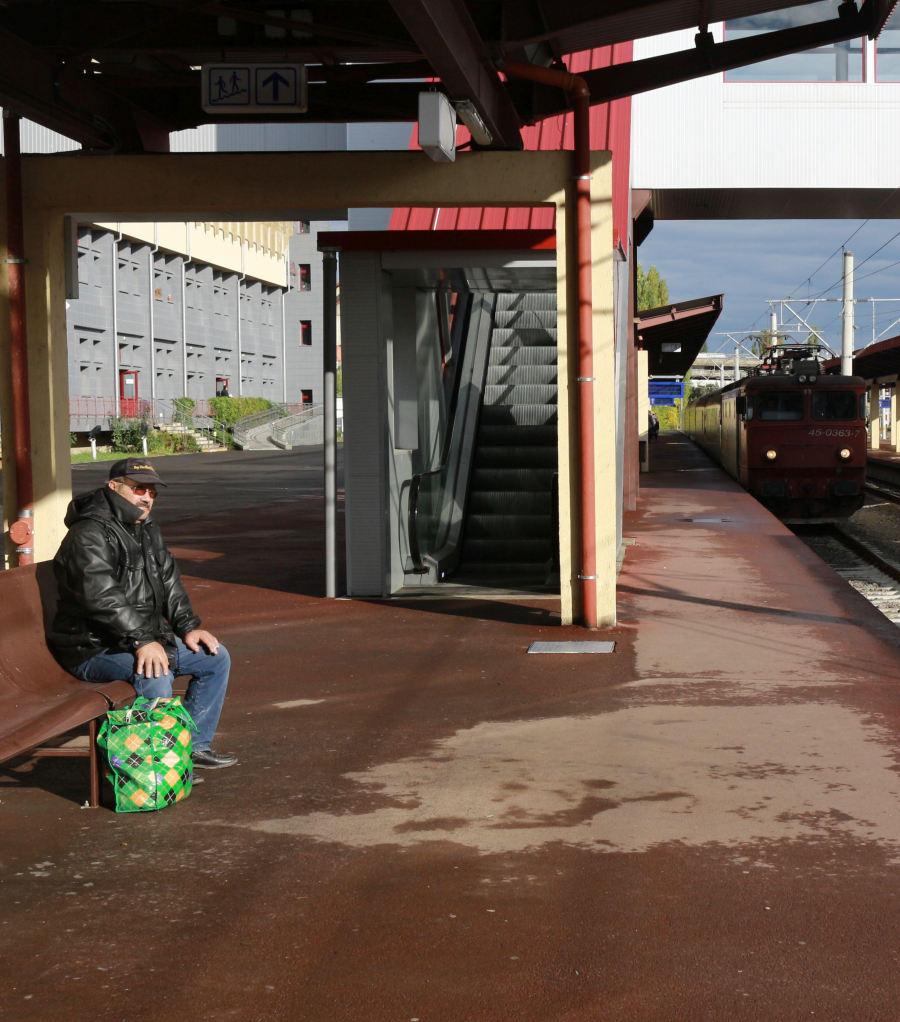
(845, 452)
(802, 379)
(813, 379)
(771, 455)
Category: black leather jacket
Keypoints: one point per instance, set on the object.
(119, 587)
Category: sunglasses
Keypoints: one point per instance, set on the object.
(138, 489)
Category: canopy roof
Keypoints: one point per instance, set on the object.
(873, 362)
(673, 335)
(120, 75)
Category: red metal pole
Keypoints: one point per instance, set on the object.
(582, 165)
(22, 531)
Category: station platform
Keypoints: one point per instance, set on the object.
(428, 823)
(883, 466)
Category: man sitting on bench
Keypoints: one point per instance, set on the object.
(123, 613)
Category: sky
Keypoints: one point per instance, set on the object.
(754, 260)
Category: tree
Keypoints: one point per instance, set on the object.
(652, 291)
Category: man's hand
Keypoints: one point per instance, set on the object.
(152, 661)
(193, 639)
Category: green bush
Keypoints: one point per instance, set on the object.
(73, 439)
(126, 435)
(668, 415)
(228, 410)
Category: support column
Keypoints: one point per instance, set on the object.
(329, 366)
(895, 433)
(874, 417)
(644, 409)
(631, 480)
(604, 397)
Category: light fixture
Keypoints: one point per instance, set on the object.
(437, 127)
(813, 379)
(802, 379)
(845, 452)
(465, 110)
(771, 455)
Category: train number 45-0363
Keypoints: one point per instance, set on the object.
(834, 432)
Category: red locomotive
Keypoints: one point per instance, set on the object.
(794, 438)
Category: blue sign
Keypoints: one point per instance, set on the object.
(662, 388)
(662, 400)
(254, 88)
(884, 402)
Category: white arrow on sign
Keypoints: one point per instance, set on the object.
(253, 88)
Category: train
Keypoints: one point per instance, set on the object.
(794, 438)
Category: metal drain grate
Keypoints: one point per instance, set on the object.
(572, 647)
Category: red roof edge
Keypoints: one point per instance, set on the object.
(404, 241)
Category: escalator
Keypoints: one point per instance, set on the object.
(510, 527)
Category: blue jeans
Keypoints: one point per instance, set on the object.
(205, 694)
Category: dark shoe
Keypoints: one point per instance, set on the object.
(197, 779)
(209, 760)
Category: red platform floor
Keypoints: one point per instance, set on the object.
(428, 824)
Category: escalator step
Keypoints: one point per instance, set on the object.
(520, 480)
(502, 502)
(516, 457)
(529, 355)
(524, 318)
(513, 337)
(481, 526)
(527, 394)
(518, 436)
(536, 300)
(518, 415)
(507, 551)
(520, 375)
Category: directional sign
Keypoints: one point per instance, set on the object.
(253, 88)
(660, 388)
(661, 400)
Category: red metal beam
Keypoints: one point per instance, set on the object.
(446, 35)
(706, 58)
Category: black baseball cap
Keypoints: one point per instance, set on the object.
(138, 469)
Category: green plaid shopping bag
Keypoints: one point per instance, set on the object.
(149, 747)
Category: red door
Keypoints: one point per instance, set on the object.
(128, 394)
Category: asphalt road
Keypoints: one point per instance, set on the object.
(203, 484)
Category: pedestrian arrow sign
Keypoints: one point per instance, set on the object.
(253, 88)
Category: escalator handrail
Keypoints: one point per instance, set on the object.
(412, 516)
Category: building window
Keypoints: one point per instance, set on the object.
(304, 277)
(306, 397)
(306, 332)
(887, 50)
(302, 227)
(840, 62)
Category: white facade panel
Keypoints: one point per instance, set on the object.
(710, 133)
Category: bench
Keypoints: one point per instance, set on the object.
(39, 700)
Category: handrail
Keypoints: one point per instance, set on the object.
(291, 422)
(412, 514)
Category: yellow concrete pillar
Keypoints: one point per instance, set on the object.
(644, 409)
(874, 417)
(603, 395)
(48, 385)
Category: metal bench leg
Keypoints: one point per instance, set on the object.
(96, 761)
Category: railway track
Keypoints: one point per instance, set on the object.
(863, 568)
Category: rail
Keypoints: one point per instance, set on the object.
(412, 517)
(300, 429)
(244, 426)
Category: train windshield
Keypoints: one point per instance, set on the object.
(779, 406)
(834, 406)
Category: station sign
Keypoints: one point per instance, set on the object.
(657, 401)
(662, 388)
(884, 402)
(253, 88)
